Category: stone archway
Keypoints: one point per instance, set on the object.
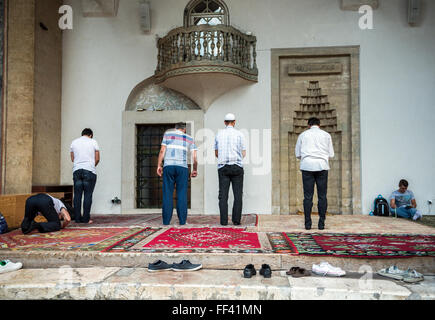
(152, 105)
(321, 82)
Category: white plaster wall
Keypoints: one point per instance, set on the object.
(104, 58)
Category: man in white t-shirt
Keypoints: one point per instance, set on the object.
(57, 213)
(85, 154)
(314, 148)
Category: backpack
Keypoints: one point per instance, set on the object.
(3, 224)
(381, 207)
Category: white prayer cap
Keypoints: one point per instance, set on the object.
(230, 117)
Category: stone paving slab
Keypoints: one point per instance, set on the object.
(342, 224)
(139, 284)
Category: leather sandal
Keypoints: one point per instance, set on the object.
(297, 272)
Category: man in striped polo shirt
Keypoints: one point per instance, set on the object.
(176, 145)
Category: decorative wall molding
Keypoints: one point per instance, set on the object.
(354, 5)
(100, 8)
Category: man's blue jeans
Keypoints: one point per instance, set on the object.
(179, 177)
(404, 213)
(84, 184)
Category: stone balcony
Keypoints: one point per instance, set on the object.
(204, 62)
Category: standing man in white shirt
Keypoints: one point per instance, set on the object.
(314, 148)
(85, 154)
(230, 150)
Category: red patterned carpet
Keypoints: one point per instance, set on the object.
(362, 245)
(208, 238)
(67, 239)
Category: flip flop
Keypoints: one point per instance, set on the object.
(392, 272)
(412, 276)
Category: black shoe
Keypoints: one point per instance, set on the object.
(236, 223)
(185, 265)
(159, 266)
(307, 227)
(321, 227)
(265, 271)
(249, 271)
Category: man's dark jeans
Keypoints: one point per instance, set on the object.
(44, 204)
(175, 176)
(320, 179)
(84, 184)
(230, 174)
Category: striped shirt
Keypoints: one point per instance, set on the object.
(230, 144)
(178, 144)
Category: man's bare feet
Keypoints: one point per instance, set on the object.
(90, 222)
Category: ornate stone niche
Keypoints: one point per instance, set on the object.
(316, 104)
(322, 83)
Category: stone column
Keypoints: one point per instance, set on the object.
(32, 89)
(19, 97)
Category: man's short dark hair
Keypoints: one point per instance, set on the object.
(403, 183)
(180, 125)
(314, 122)
(87, 132)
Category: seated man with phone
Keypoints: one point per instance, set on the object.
(402, 202)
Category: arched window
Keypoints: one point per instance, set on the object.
(211, 12)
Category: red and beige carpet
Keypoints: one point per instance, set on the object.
(195, 240)
(65, 240)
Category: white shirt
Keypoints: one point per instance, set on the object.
(314, 148)
(84, 153)
(58, 205)
(230, 144)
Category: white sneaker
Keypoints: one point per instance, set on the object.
(8, 266)
(325, 269)
(417, 215)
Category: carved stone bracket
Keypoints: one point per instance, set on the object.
(100, 8)
(354, 5)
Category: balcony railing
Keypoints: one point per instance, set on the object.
(207, 48)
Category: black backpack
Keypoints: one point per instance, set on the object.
(381, 207)
(3, 224)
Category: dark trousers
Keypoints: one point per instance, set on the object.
(320, 179)
(175, 176)
(230, 174)
(84, 184)
(41, 203)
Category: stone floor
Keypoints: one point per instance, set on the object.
(101, 283)
(343, 224)
(96, 275)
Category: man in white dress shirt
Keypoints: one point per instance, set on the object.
(314, 148)
(230, 150)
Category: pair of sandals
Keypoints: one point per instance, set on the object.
(409, 275)
(250, 271)
(297, 272)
